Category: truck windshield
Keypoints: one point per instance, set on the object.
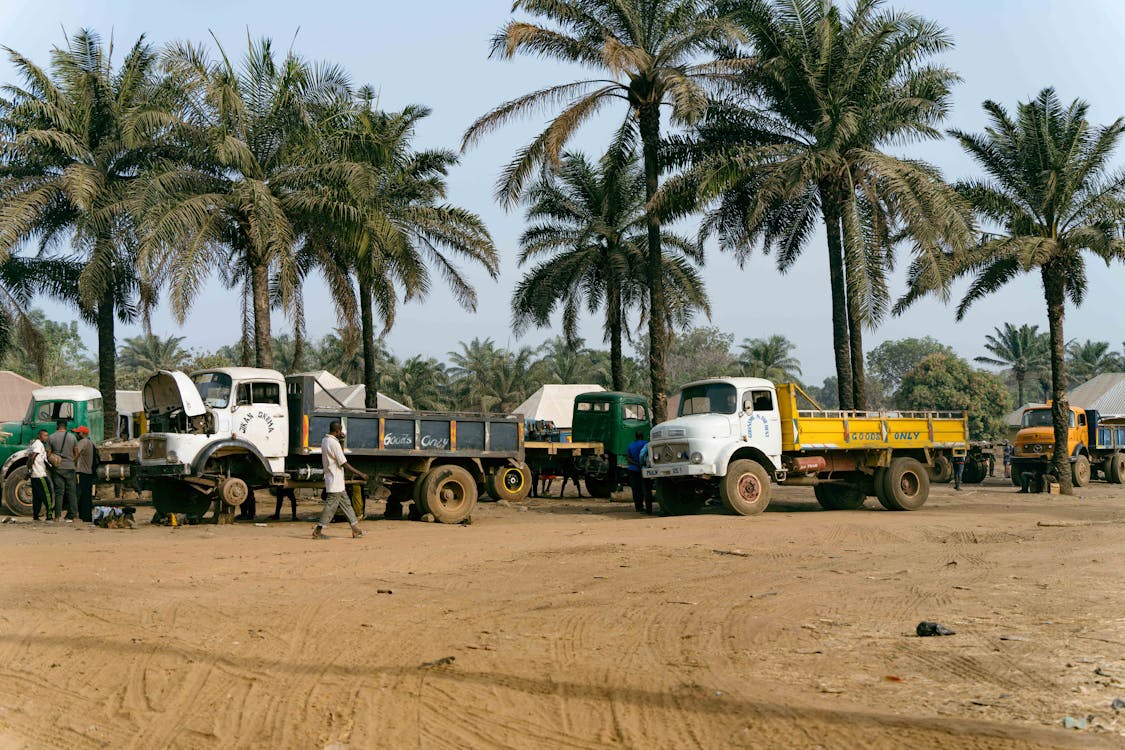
(1040, 418)
(214, 388)
(711, 398)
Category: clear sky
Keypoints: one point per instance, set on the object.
(435, 52)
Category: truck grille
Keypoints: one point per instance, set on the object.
(153, 448)
(669, 453)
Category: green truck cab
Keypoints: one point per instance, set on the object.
(613, 419)
(77, 404)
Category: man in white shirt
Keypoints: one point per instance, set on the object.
(335, 465)
(41, 497)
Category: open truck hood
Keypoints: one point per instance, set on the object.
(166, 391)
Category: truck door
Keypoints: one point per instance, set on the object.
(259, 418)
(761, 421)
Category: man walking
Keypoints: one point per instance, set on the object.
(41, 497)
(84, 462)
(62, 443)
(641, 499)
(335, 464)
(958, 469)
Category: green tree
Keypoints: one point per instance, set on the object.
(560, 361)
(947, 382)
(76, 138)
(650, 54)
(1089, 359)
(770, 358)
(151, 353)
(64, 357)
(1050, 191)
(589, 220)
(700, 353)
(892, 359)
(805, 138)
(421, 384)
(491, 379)
(1021, 351)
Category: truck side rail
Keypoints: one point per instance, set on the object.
(851, 414)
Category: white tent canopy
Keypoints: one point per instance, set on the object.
(554, 403)
(333, 393)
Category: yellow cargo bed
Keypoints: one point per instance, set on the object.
(819, 430)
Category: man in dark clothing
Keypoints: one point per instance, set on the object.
(37, 473)
(642, 501)
(958, 470)
(62, 444)
(84, 463)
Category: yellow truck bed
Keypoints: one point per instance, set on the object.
(817, 430)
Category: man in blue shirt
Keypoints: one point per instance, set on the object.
(642, 500)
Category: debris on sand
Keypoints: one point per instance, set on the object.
(733, 552)
(1069, 722)
(926, 629)
(443, 661)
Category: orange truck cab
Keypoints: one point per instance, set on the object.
(1093, 444)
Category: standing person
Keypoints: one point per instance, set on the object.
(41, 495)
(636, 479)
(1008, 451)
(62, 443)
(336, 497)
(84, 464)
(958, 470)
(992, 463)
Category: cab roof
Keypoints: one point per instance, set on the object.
(611, 396)
(244, 373)
(736, 382)
(66, 393)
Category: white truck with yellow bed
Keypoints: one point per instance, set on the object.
(736, 437)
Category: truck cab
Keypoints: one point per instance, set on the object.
(1089, 444)
(613, 419)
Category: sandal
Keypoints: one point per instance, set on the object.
(318, 533)
(357, 533)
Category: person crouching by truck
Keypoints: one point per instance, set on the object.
(336, 497)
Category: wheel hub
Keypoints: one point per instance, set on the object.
(909, 484)
(748, 488)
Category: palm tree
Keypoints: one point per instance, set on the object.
(420, 384)
(561, 361)
(804, 136)
(1090, 359)
(770, 358)
(401, 223)
(150, 353)
(248, 184)
(1023, 351)
(75, 140)
(590, 222)
(1051, 193)
(650, 53)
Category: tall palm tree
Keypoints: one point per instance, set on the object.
(151, 353)
(1050, 191)
(75, 140)
(1023, 351)
(420, 384)
(1090, 359)
(804, 136)
(248, 184)
(402, 223)
(590, 221)
(646, 53)
(770, 358)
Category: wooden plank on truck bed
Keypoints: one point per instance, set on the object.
(573, 449)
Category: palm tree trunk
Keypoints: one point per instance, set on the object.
(1019, 390)
(657, 329)
(840, 337)
(107, 362)
(260, 289)
(1060, 409)
(855, 346)
(367, 329)
(613, 322)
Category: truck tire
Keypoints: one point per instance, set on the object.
(879, 486)
(17, 492)
(511, 483)
(906, 484)
(745, 489)
(233, 491)
(1115, 468)
(603, 486)
(1080, 471)
(975, 472)
(448, 493)
(839, 496)
(674, 500)
(942, 470)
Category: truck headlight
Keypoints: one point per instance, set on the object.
(697, 458)
(173, 458)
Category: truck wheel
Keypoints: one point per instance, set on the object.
(745, 489)
(233, 491)
(975, 472)
(674, 500)
(906, 484)
(1080, 471)
(603, 486)
(17, 492)
(449, 493)
(511, 483)
(942, 470)
(879, 487)
(839, 496)
(1115, 468)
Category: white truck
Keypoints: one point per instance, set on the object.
(735, 437)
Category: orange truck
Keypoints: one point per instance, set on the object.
(1094, 443)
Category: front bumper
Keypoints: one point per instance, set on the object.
(158, 471)
(678, 470)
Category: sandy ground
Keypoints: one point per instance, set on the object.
(577, 624)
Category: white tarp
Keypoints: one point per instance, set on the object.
(554, 403)
(333, 393)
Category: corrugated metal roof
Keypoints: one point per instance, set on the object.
(1105, 392)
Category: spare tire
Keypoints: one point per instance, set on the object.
(511, 483)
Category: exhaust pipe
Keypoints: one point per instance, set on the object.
(114, 472)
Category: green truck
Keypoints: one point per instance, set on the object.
(603, 424)
(78, 405)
